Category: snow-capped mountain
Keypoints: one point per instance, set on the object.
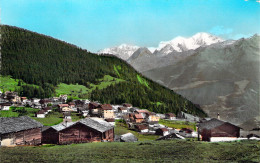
(123, 51)
(181, 44)
(178, 44)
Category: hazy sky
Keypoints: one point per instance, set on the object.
(97, 24)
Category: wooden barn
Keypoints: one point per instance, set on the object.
(217, 130)
(83, 131)
(20, 131)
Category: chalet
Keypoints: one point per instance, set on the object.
(162, 116)
(152, 118)
(47, 109)
(217, 130)
(83, 111)
(12, 97)
(45, 102)
(106, 111)
(35, 100)
(138, 118)
(142, 128)
(24, 99)
(111, 121)
(67, 117)
(65, 108)
(19, 131)
(170, 116)
(5, 106)
(122, 109)
(72, 106)
(127, 105)
(83, 131)
(40, 114)
(162, 131)
(93, 108)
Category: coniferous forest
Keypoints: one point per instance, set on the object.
(45, 62)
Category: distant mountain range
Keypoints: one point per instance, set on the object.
(222, 76)
(178, 44)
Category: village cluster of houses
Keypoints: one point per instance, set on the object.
(98, 121)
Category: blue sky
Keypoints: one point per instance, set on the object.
(97, 24)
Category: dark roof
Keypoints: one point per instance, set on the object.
(122, 108)
(141, 127)
(94, 104)
(171, 114)
(15, 124)
(127, 105)
(106, 107)
(110, 119)
(213, 123)
(47, 108)
(71, 103)
(5, 104)
(163, 129)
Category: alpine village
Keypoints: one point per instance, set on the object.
(55, 94)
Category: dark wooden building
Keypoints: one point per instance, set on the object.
(83, 131)
(20, 131)
(217, 129)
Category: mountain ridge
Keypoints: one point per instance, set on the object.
(45, 62)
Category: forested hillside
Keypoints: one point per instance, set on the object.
(44, 62)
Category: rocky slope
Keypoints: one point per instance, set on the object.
(223, 78)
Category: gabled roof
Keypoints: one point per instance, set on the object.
(127, 105)
(142, 127)
(163, 129)
(15, 124)
(94, 123)
(94, 104)
(97, 124)
(47, 108)
(213, 123)
(122, 108)
(170, 114)
(106, 107)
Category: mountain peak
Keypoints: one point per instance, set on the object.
(181, 44)
(123, 51)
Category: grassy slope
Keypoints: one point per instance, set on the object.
(74, 90)
(178, 124)
(7, 83)
(154, 151)
(51, 119)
